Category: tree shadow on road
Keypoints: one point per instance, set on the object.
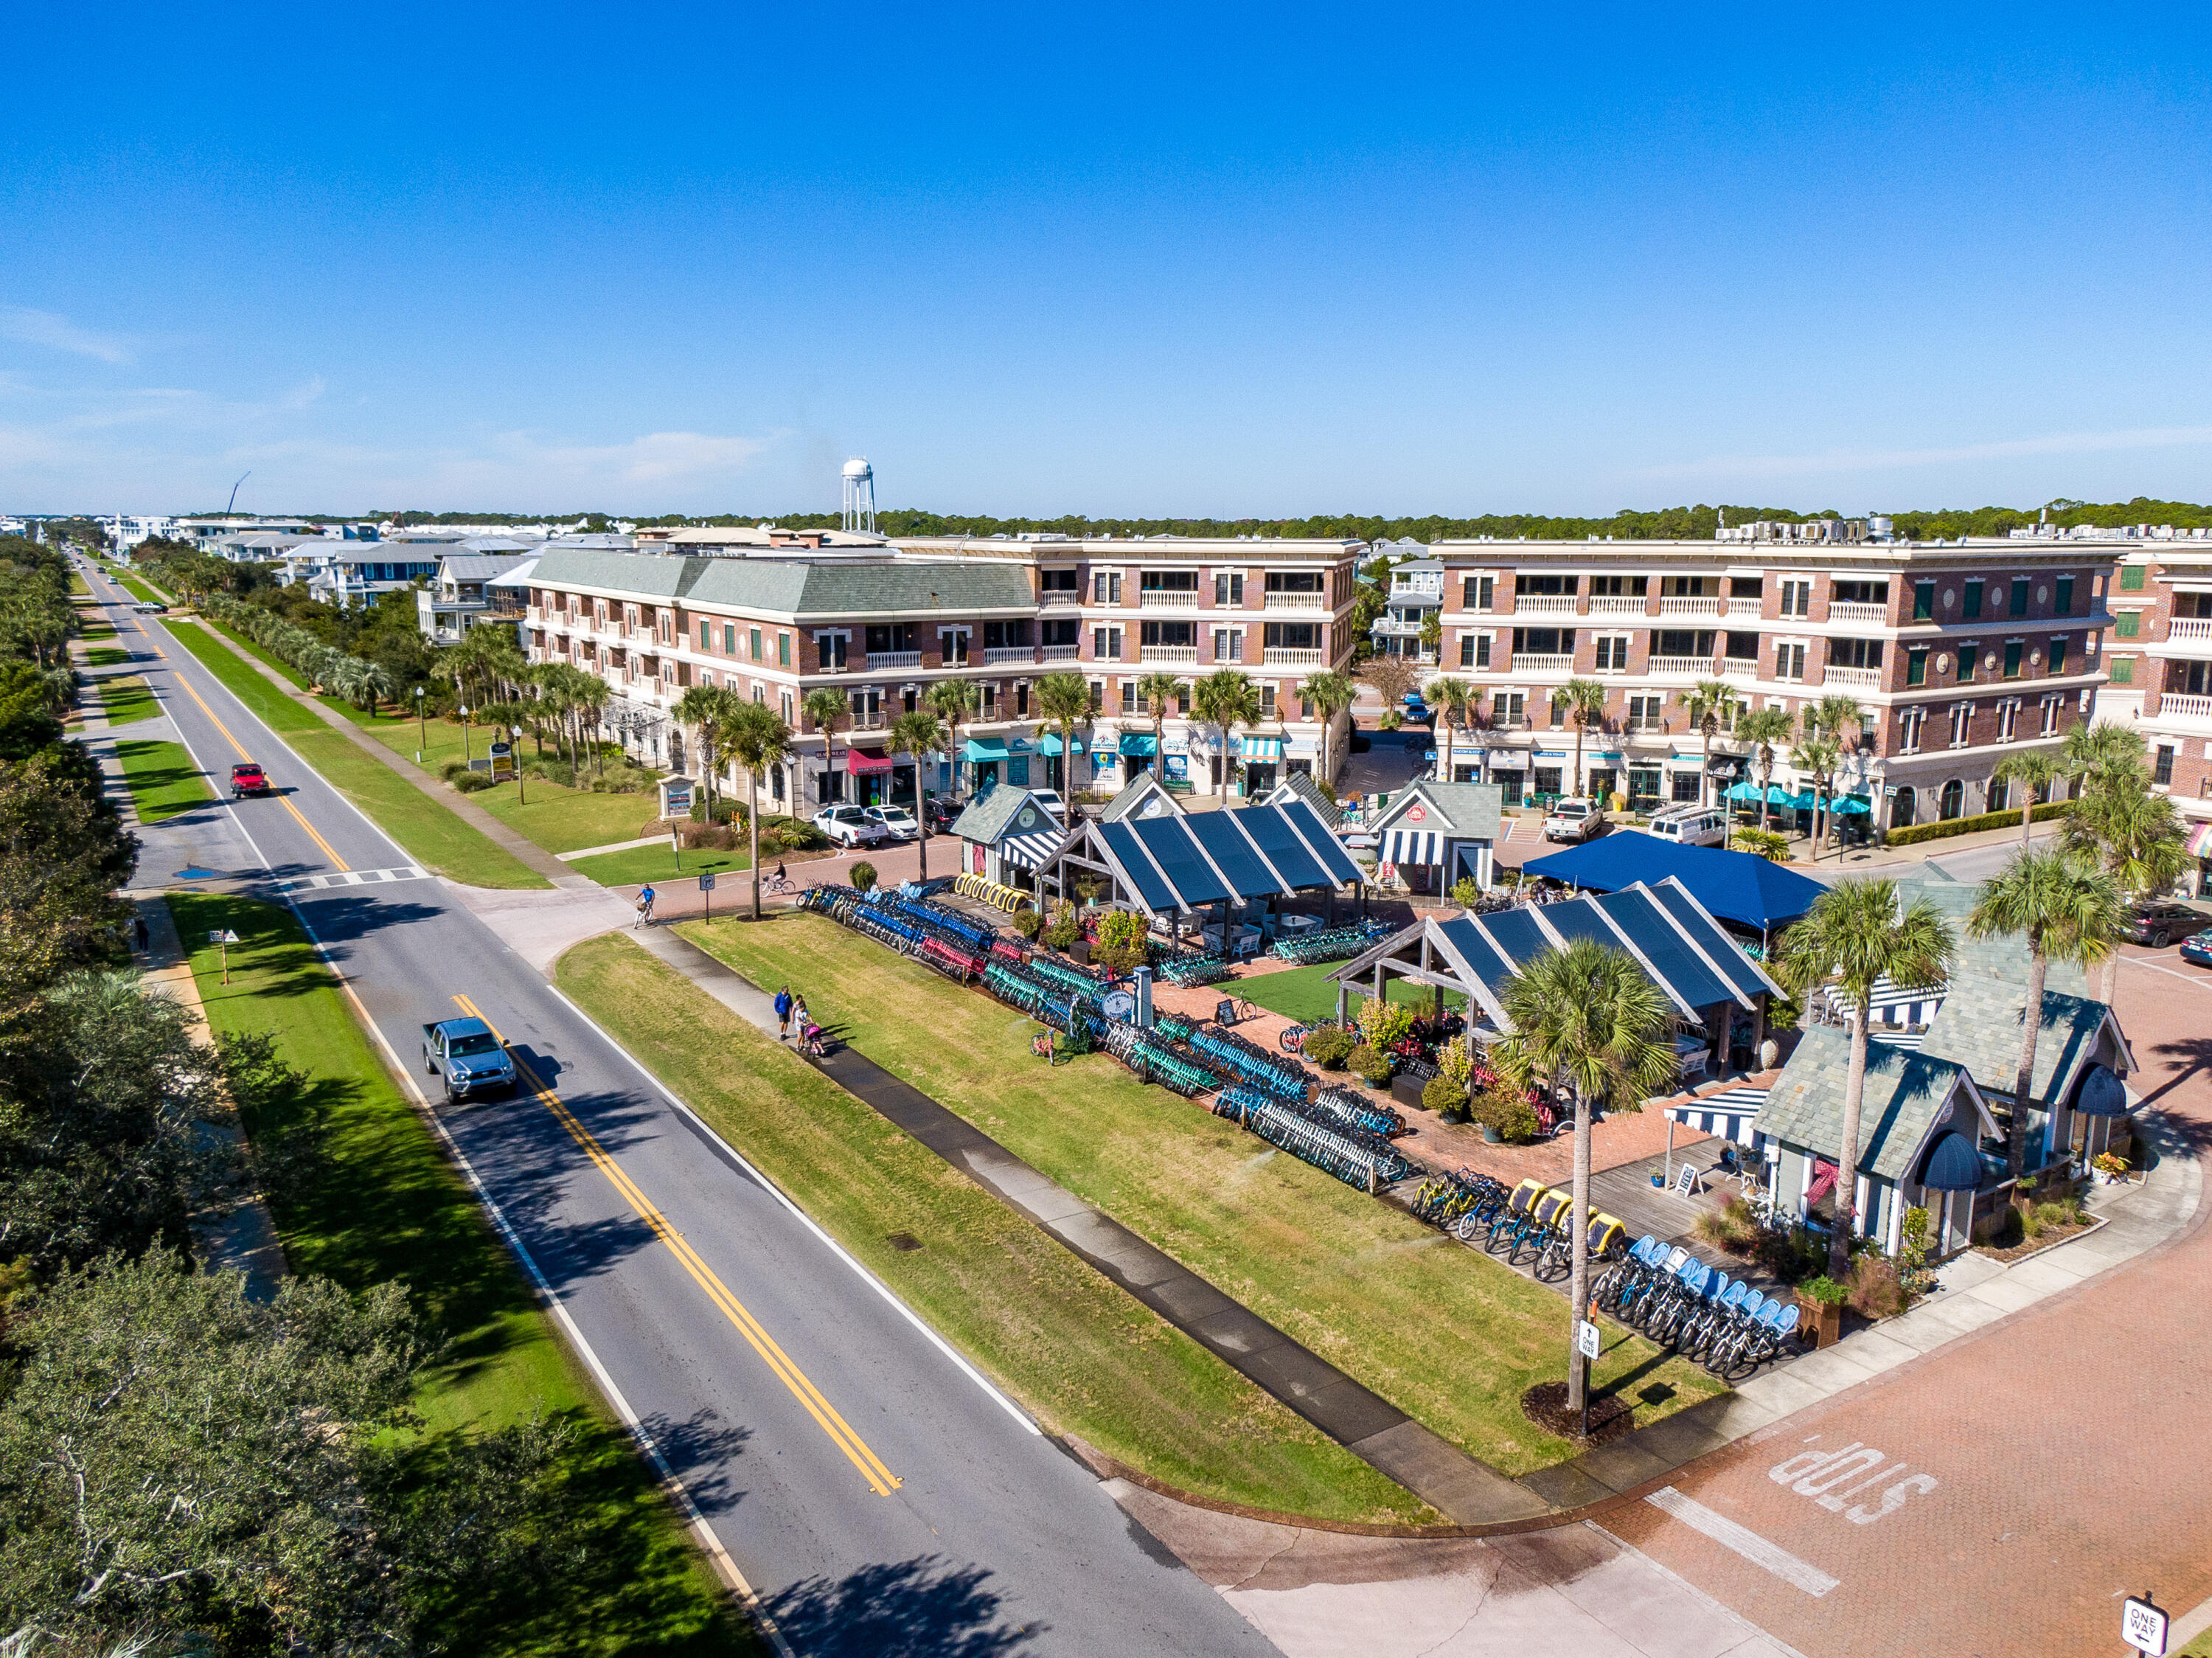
(2191, 1056)
(909, 1609)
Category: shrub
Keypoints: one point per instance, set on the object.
(1328, 789)
(1453, 1062)
(452, 769)
(1329, 1048)
(1389, 719)
(1877, 1291)
(714, 836)
(1733, 1227)
(1027, 923)
(1441, 1093)
(1824, 1291)
(2009, 819)
(1065, 929)
(1381, 1023)
(1122, 944)
(1762, 843)
(1513, 1116)
(863, 876)
(2110, 1163)
(1465, 893)
(1368, 1066)
(471, 782)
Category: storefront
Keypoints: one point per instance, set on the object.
(871, 777)
(1263, 761)
(1435, 835)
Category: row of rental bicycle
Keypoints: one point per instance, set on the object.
(1663, 1289)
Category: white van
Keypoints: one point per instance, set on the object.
(1691, 825)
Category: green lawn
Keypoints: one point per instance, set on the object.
(77, 589)
(162, 779)
(125, 701)
(432, 836)
(387, 1204)
(658, 864)
(96, 630)
(108, 656)
(1307, 994)
(1086, 1358)
(1447, 1334)
(137, 589)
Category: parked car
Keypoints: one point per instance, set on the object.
(1691, 825)
(898, 823)
(471, 1058)
(248, 778)
(2196, 949)
(2160, 922)
(850, 827)
(1574, 819)
(943, 814)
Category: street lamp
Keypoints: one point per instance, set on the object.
(421, 733)
(465, 755)
(518, 800)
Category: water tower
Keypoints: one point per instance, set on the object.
(858, 513)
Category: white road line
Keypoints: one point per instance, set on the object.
(1745, 1542)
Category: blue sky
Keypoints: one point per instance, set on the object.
(1112, 260)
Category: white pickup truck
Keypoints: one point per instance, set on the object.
(1574, 819)
(466, 1053)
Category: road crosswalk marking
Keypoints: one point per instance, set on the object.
(357, 878)
(1745, 1541)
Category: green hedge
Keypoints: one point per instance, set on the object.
(1975, 824)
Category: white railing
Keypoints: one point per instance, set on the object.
(1683, 667)
(1177, 655)
(2171, 707)
(1059, 653)
(1874, 615)
(1544, 604)
(1280, 658)
(893, 660)
(1395, 628)
(1165, 599)
(1739, 667)
(1684, 604)
(1616, 603)
(999, 656)
(1296, 601)
(2189, 630)
(1852, 678)
(1525, 663)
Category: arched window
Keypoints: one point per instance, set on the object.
(1953, 801)
(1900, 810)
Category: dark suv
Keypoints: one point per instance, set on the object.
(2159, 923)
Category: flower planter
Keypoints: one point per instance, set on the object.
(1490, 1136)
(1822, 1322)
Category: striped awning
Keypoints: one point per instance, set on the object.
(1262, 749)
(1727, 1114)
(1032, 851)
(2200, 841)
(1417, 846)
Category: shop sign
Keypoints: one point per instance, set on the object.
(1416, 814)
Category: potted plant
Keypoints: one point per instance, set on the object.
(2111, 1170)
(1821, 1303)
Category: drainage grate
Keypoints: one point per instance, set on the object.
(904, 1240)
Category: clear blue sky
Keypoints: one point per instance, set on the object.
(1110, 260)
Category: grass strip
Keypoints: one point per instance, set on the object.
(136, 589)
(126, 701)
(1448, 1335)
(108, 656)
(162, 779)
(1086, 1358)
(432, 836)
(658, 864)
(1307, 994)
(381, 1201)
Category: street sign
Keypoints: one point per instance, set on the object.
(2142, 1626)
(1587, 1339)
(706, 883)
(223, 938)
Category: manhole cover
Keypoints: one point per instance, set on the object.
(904, 1240)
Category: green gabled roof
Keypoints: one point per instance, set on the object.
(2002, 960)
(1979, 1024)
(1471, 811)
(789, 586)
(986, 820)
(1904, 1095)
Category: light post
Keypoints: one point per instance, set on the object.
(465, 756)
(518, 800)
(421, 733)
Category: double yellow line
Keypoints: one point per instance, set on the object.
(840, 1431)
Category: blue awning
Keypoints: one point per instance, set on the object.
(1733, 886)
(1263, 748)
(1748, 794)
(1139, 743)
(2102, 1094)
(1050, 744)
(984, 748)
(1954, 1165)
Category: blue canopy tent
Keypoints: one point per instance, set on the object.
(1747, 794)
(1733, 886)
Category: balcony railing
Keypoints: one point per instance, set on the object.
(2172, 707)
(1166, 599)
(1739, 667)
(999, 655)
(1687, 604)
(1616, 603)
(893, 660)
(1170, 655)
(1281, 658)
(1852, 678)
(1688, 667)
(1859, 615)
(1392, 627)
(1644, 728)
(2189, 630)
(1298, 601)
(1544, 604)
(1525, 663)
(1058, 653)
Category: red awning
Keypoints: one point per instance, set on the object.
(859, 765)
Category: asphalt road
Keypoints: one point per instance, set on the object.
(877, 1494)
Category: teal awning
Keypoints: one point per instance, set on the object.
(1136, 742)
(984, 748)
(1050, 744)
(1748, 793)
(1263, 748)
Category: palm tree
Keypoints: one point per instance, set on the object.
(1855, 936)
(1331, 692)
(1455, 698)
(757, 739)
(1587, 1017)
(2032, 770)
(1155, 690)
(2105, 747)
(1063, 702)
(703, 708)
(2069, 910)
(1706, 704)
(953, 701)
(825, 708)
(1763, 727)
(1584, 703)
(1827, 718)
(2135, 835)
(377, 683)
(1225, 700)
(916, 735)
(1817, 757)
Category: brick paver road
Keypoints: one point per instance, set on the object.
(2001, 1494)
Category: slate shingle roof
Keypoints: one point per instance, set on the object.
(1978, 1028)
(791, 587)
(1903, 1095)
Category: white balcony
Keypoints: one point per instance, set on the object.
(1852, 678)
(1525, 663)
(893, 662)
(1859, 615)
(1680, 667)
(1544, 604)
(1059, 653)
(2191, 710)
(1739, 667)
(1169, 655)
(1298, 601)
(1683, 605)
(1279, 658)
(999, 655)
(1615, 604)
(1161, 598)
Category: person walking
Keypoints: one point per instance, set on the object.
(798, 1016)
(646, 895)
(783, 1013)
(138, 933)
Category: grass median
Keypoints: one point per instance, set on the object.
(658, 863)
(432, 836)
(162, 779)
(1448, 1335)
(381, 1201)
(126, 701)
(1086, 1358)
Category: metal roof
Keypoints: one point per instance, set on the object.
(793, 587)
(1179, 861)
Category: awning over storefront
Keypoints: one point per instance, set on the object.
(1953, 1165)
(984, 748)
(1263, 748)
(1139, 743)
(1050, 744)
(863, 765)
(1845, 805)
(2200, 841)
(1727, 1114)
(2102, 1094)
(1414, 846)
